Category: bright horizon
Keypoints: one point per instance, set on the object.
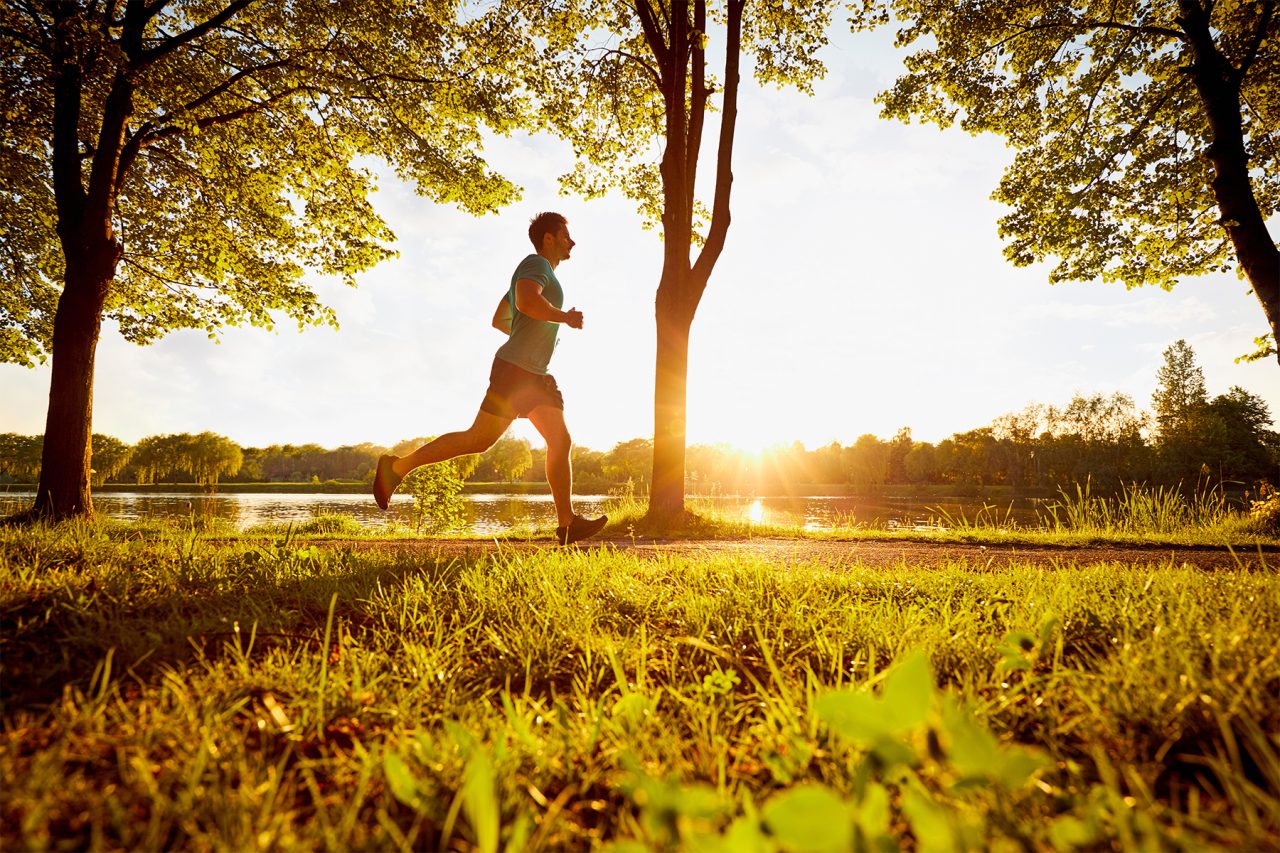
(862, 289)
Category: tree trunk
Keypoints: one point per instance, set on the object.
(66, 459)
(685, 92)
(91, 253)
(1218, 84)
(666, 500)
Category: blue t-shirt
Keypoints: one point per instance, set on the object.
(532, 341)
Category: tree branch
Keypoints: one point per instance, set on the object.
(1102, 82)
(698, 97)
(22, 38)
(1167, 32)
(724, 156)
(653, 35)
(1259, 35)
(653, 72)
(224, 86)
(174, 42)
(1129, 139)
(1085, 26)
(224, 118)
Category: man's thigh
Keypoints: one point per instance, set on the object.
(548, 420)
(487, 428)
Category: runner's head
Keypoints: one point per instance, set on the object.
(549, 233)
(542, 225)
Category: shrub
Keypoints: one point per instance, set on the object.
(1264, 515)
(437, 502)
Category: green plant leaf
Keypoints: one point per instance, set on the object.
(633, 709)
(745, 836)
(810, 817)
(403, 785)
(1070, 833)
(928, 821)
(908, 693)
(480, 800)
(1018, 765)
(972, 749)
(872, 813)
(852, 714)
(518, 834)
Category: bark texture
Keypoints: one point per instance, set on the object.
(1218, 83)
(91, 254)
(682, 63)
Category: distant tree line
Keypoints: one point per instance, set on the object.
(1187, 438)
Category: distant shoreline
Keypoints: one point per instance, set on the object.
(802, 490)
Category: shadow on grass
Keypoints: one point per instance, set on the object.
(168, 609)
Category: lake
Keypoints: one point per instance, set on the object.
(490, 514)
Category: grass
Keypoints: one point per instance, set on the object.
(162, 690)
(1139, 516)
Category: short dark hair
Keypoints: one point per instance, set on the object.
(543, 224)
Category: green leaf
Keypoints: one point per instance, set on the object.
(972, 749)
(1018, 765)
(1070, 833)
(908, 692)
(403, 786)
(1047, 631)
(893, 753)
(872, 813)
(746, 836)
(633, 709)
(480, 801)
(929, 822)
(809, 817)
(518, 834)
(855, 715)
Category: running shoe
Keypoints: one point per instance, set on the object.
(385, 481)
(580, 528)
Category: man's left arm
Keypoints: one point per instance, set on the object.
(502, 317)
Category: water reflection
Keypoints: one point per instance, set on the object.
(494, 514)
(486, 514)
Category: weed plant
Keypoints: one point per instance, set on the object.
(164, 691)
(1138, 515)
(1138, 509)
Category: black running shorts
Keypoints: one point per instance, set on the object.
(515, 392)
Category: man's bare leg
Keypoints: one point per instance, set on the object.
(549, 422)
(477, 438)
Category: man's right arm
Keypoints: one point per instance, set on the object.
(531, 303)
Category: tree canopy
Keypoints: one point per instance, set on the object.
(205, 457)
(178, 163)
(234, 141)
(1145, 132)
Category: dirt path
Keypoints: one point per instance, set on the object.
(861, 552)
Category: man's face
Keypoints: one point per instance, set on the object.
(562, 242)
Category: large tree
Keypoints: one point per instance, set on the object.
(1180, 390)
(1185, 434)
(178, 163)
(1145, 130)
(628, 85)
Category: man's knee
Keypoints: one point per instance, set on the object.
(559, 442)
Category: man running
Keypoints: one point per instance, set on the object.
(519, 385)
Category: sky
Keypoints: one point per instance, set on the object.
(862, 289)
